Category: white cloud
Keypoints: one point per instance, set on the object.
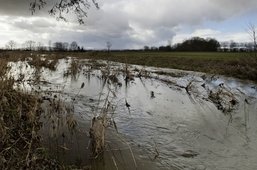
(209, 33)
(127, 23)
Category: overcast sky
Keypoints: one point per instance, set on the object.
(131, 23)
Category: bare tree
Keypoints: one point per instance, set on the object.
(61, 7)
(57, 46)
(74, 46)
(232, 45)
(252, 30)
(11, 45)
(30, 45)
(40, 46)
(108, 45)
(65, 46)
(50, 45)
(146, 48)
(61, 46)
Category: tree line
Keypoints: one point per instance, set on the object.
(198, 44)
(31, 45)
(195, 44)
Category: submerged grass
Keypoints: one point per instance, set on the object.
(73, 70)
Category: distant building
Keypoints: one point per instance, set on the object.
(236, 47)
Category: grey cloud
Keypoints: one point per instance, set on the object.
(36, 25)
(174, 12)
(127, 23)
(18, 8)
(14, 7)
(96, 40)
(235, 5)
(22, 7)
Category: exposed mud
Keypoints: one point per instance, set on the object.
(157, 118)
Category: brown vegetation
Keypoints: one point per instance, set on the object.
(19, 126)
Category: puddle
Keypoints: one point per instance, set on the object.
(164, 121)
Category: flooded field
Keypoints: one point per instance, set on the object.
(155, 118)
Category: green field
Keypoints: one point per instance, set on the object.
(239, 65)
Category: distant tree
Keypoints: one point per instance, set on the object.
(153, 48)
(74, 46)
(198, 44)
(30, 45)
(40, 46)
(232, 45)
(61, 46)
(169, 43)
(50, 45)
(146, 48)
(11, 45)
(58, 46)
(65, 46)
(108, 45)
(252, 30)
(165, 48)
(224, 44)
(249, 46)
(59, 8)
(212, 44)
(82, 49)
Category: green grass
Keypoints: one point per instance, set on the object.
(191, 55)
(239, 65)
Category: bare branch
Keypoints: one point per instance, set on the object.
(62, 7)
(252, 31)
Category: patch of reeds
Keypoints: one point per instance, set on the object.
(95, 64)
(3, 68)
(38, 62)
(13, 56)
(20, 146)
(73, 70)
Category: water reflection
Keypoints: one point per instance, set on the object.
(178, 128)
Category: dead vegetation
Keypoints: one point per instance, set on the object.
(20, 123)
(74, 69)
(97, 134)
(171, 74)
(21, 117)
(223, 99)
(20, 113)
(39, 62)
(19, 126)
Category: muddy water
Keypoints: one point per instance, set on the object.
(172, 123)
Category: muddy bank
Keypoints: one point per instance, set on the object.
(165, 119)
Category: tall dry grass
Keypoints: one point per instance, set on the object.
(19, 126)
